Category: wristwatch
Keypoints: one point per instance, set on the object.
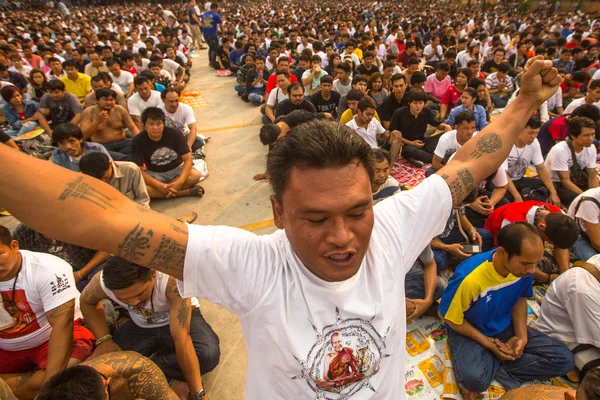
(197, 396)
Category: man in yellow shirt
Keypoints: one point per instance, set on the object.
(75, 82)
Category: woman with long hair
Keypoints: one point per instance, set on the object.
(334, 61)
(375, 88)
(22, 115)
(454, 91)
(37, 85)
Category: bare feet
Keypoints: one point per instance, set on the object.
(181, 389)
(467, 394)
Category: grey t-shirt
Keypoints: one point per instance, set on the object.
(61, 111)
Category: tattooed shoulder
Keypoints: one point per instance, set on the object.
(62, 312)
(486, 144)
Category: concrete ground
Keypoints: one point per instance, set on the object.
(234, 155)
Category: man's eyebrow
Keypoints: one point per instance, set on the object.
(309, 210)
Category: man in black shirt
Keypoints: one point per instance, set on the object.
(491, 66)
(367, 68)
(394, 101)
(326, 100)
(412, 122)
(167, 158)
(295, 102)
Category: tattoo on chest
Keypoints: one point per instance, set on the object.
(135, 244)
(486, 144)
(78, 189)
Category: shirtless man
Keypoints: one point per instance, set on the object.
(98, 83)
(105, 122)
(124, 375)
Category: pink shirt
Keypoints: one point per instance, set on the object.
(435, 87)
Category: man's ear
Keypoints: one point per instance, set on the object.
(570, 395)
(277, 212)
(14, 245)
(542, 225)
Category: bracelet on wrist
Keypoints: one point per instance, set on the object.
(103, 339)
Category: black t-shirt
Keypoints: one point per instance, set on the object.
(223, 56)
(413, 128)
(286, 107)
(490, 66)
(583, 64)
(4, 137)
(389, 105)
(366, 72)
(326, 106)
(162, 156)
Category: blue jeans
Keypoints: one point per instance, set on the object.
(158, 345)
(213, 46)
(583, 249)
(475, 366)
(119, 151)
(442, 258)
(499, 101)
(256, 97)
(240, 88)
(27, 127)
(414, 284)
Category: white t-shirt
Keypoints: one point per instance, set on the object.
(181, 118)
(369, 133)
(44, 283)
(289, 315)
(429, 51)
(559, 159)
(576, 103)
(571, 309)
(171, 67)
(124, 80)
(276, 97)
(588, 211)
(137, 105)
(447, 145)
(116, 88)
(520, 158)
(143, 67)
(157, 308)
(341, 88)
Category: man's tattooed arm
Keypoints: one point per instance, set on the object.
(61, 337)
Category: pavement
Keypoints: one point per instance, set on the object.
(234, 155)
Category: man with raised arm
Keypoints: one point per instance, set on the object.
(337, 264)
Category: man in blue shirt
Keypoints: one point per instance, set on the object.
(485, 310)
(72, 147)
(211, 20)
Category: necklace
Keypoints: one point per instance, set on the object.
(12, 306)
(148, 313)
(519, 154)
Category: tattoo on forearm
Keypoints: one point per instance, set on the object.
(461, 186)
(63, 311)
(486, 144)
(183, 314)
(145, 210)
(168, 255)
(467, 179)
(135, 244)
(178, 229)
(81, 190)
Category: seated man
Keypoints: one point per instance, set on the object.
(124, 176)
(500, 86)
(311, 78)
(585, 210)
(485, 310)
(276, 96)
(181, 117)
(556, 228)
(98, 83)
(167, 158)
(143, 98)
(412, 123)
(527, 151)
(450, 142)
(395, 100)
(326, 100)
(123, 375)
(256, 82)
(105, 123)
(371, 130)
(592, 97)
(573, 178)
(571, 312)
(59, 106)
(72, 147)
(383, 184)
(38, 291)
(296, 101)
(423, 288)
(437, 84)
(163, 326)
(76, 83)
(359, 83)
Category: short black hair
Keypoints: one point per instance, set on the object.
(344, 66)
(512, 237)
(56, 84)
(153, 113)
(587, 110)
(367, 102)
(416, 95)
(595, 84)
(561, 230)
(534, 122)
(66, 131)
(5, 236)
(269, 134)
(163, 94)
(118, 273)
(397, 77)
(378, 155)
(325, 79)
(105, 92)
(69, 63)
(359, 78)
(443, 66)
(317, 144)
(465, 116)
(417, 77)
(576, 125)
(74, 383)
(94, 164)
(140, 80)
(354, 94)
(503, 67)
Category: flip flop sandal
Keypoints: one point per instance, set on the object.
(197, 190)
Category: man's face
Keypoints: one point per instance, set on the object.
(586, 137)
(28, 53)
(56, 67)
(594, 95)
(367, 115)
(315, 64)
(382, 171)
(9, 256)
(441, 74)
(144, 90)
(498, 57)
(342, 75)
(528, 135)
(106, 54)
(106, 103)
(154, 128)
(155, 71)
(368, 61)
(336, 342)
(349, 49)
(592, 53)
(77, 57)
(72, 73)
(97, 85)
(260, 65)
(523, 265)
(353, 105)
(115, 69)
(416, 106)
(57, 95)
(500, 75)
(283, 66)
(362, 86)
(399, 87)
(410, 50)
(297, 96)
(464, 131)
(273, 54)
(137, 294)
(328, 219)
(96, 60)
(72, 146)
(565, 57)
(326, 87)
(171, 102)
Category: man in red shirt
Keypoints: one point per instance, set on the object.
(554, 226)
(283, 64)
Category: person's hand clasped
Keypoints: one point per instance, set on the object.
(540, 80)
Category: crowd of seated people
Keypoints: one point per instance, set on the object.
(105, 93)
